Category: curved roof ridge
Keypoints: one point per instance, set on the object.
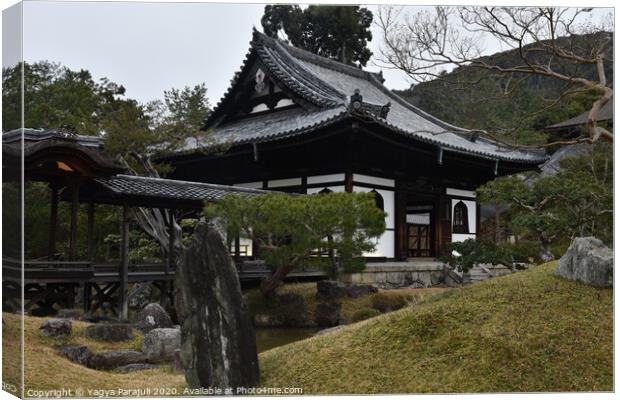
(310, 88)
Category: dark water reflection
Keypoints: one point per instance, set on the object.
(268, 338)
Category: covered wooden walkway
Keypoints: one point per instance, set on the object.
(77, 171)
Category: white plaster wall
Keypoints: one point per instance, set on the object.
(385, 244)
(250, 185)
(461, 192)
(325, 178)
(373, 180)
(284, 182)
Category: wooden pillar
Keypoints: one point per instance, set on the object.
(237, 249)
(348, 182)
(75, 196)
(90, 231)
(123, 272)
(53, 220)
(87, 297)
(401, 225)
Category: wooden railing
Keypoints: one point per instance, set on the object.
(48, 270)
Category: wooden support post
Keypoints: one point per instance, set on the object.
(237, 249)
(53, 221)
(90, 232)
(401, 225)
(75, 195)
(123, 271)
(87, 299)
(348, 182)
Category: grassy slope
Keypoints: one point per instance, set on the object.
(47, 370)
(529, 331)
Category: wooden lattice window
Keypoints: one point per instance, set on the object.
(378, 200)
(460, 221)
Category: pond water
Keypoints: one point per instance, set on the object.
(268, 338)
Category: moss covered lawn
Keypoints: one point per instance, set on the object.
(530, 331)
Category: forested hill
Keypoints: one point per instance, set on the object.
(484, 104)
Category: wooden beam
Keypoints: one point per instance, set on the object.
(75, 196)
(53, 220)
(124, 265)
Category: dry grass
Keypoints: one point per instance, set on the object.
(46, 370)
(530, 331)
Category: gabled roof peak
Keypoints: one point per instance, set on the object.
(308, 56)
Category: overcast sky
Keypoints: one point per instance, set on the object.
(151, 47)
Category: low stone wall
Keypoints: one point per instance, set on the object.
(399, 274)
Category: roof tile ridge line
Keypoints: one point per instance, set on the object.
(181, 182)
(344, 113)
(282, 51)
(460, 149)
(320, 81)
(329, 63)
(417, 110)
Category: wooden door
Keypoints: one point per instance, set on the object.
(418, 240)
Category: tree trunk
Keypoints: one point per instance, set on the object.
(218, 344)
(269, 286)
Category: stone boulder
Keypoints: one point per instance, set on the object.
(116, 358)
(110, 332)
(77, 353)
(135, 367)
(151, 317)
(357, 291)
(218, 343)
(330, 290)
(589, 261)
(160, 343)
(56, 327)
(327, 314)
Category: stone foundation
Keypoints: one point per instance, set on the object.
(399, 274)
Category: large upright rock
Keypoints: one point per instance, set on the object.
(589, 261)
(218, 345)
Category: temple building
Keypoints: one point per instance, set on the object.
(297, 122)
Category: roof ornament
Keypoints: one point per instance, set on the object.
(260, 81)
(357, 105)
(356, 100)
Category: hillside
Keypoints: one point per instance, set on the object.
(530, 331)
(484, 105)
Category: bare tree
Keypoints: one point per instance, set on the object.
(425, 44)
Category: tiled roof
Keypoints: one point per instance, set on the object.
(329, 85)
(128, 185)
(38, 135)
(606, 113)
